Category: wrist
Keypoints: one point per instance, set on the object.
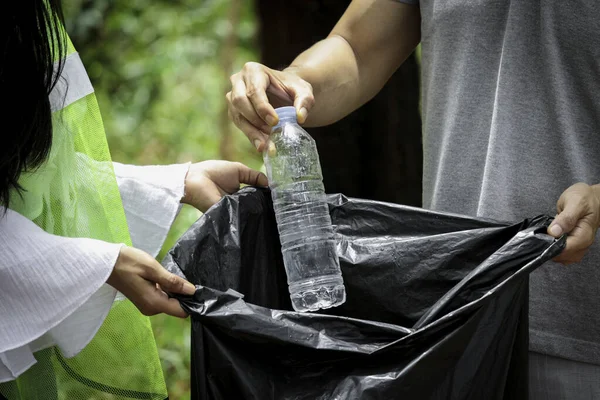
(124, 254)
(187, 198)
(307, 74)
(293, 69)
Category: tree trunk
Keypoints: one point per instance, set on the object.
(375, 152)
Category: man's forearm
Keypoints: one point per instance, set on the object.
(351, 66)
(333, 71)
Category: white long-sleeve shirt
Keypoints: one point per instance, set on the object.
(52, 288)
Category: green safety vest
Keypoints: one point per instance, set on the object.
(75, 194)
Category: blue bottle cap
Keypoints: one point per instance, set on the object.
(286, 114)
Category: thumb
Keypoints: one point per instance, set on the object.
(303, 102)
(172, 283)
(249, 176)
(567, 219)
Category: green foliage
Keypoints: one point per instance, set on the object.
(156, 68)
(173, 340)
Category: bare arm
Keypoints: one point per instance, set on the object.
(333, 77)
(371, 40)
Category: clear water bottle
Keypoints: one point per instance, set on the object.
(306, 233)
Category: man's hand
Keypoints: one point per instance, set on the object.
(333, 77)
(578, 216)
(142, 280)
(255, 90)
(208, 181)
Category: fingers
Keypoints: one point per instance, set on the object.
(242, 104)
(154, 301)
(303, 101)
(581, 237)
(290, 86)
(257, 81)
(167, 305)
(249, 176)
(257, 136)
(249, 105)
(261, 180)
(140, 277)
(168, 281)
(579, 240)
(577, 217)
(567, 219)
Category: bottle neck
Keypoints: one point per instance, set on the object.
(282, 122)
(287, 115)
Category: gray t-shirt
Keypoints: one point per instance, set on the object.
(511, 104)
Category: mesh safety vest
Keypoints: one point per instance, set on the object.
(75, 194)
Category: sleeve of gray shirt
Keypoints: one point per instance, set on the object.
(415, 2)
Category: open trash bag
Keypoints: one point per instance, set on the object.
(436, 305)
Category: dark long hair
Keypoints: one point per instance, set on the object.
(30, 42)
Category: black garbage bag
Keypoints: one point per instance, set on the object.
(436, 305)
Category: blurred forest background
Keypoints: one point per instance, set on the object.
(161, 69)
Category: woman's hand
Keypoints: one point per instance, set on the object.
(208, 181)
(142, 279)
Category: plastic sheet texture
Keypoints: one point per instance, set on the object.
(436, 305)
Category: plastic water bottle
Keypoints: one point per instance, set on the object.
(305, 230)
